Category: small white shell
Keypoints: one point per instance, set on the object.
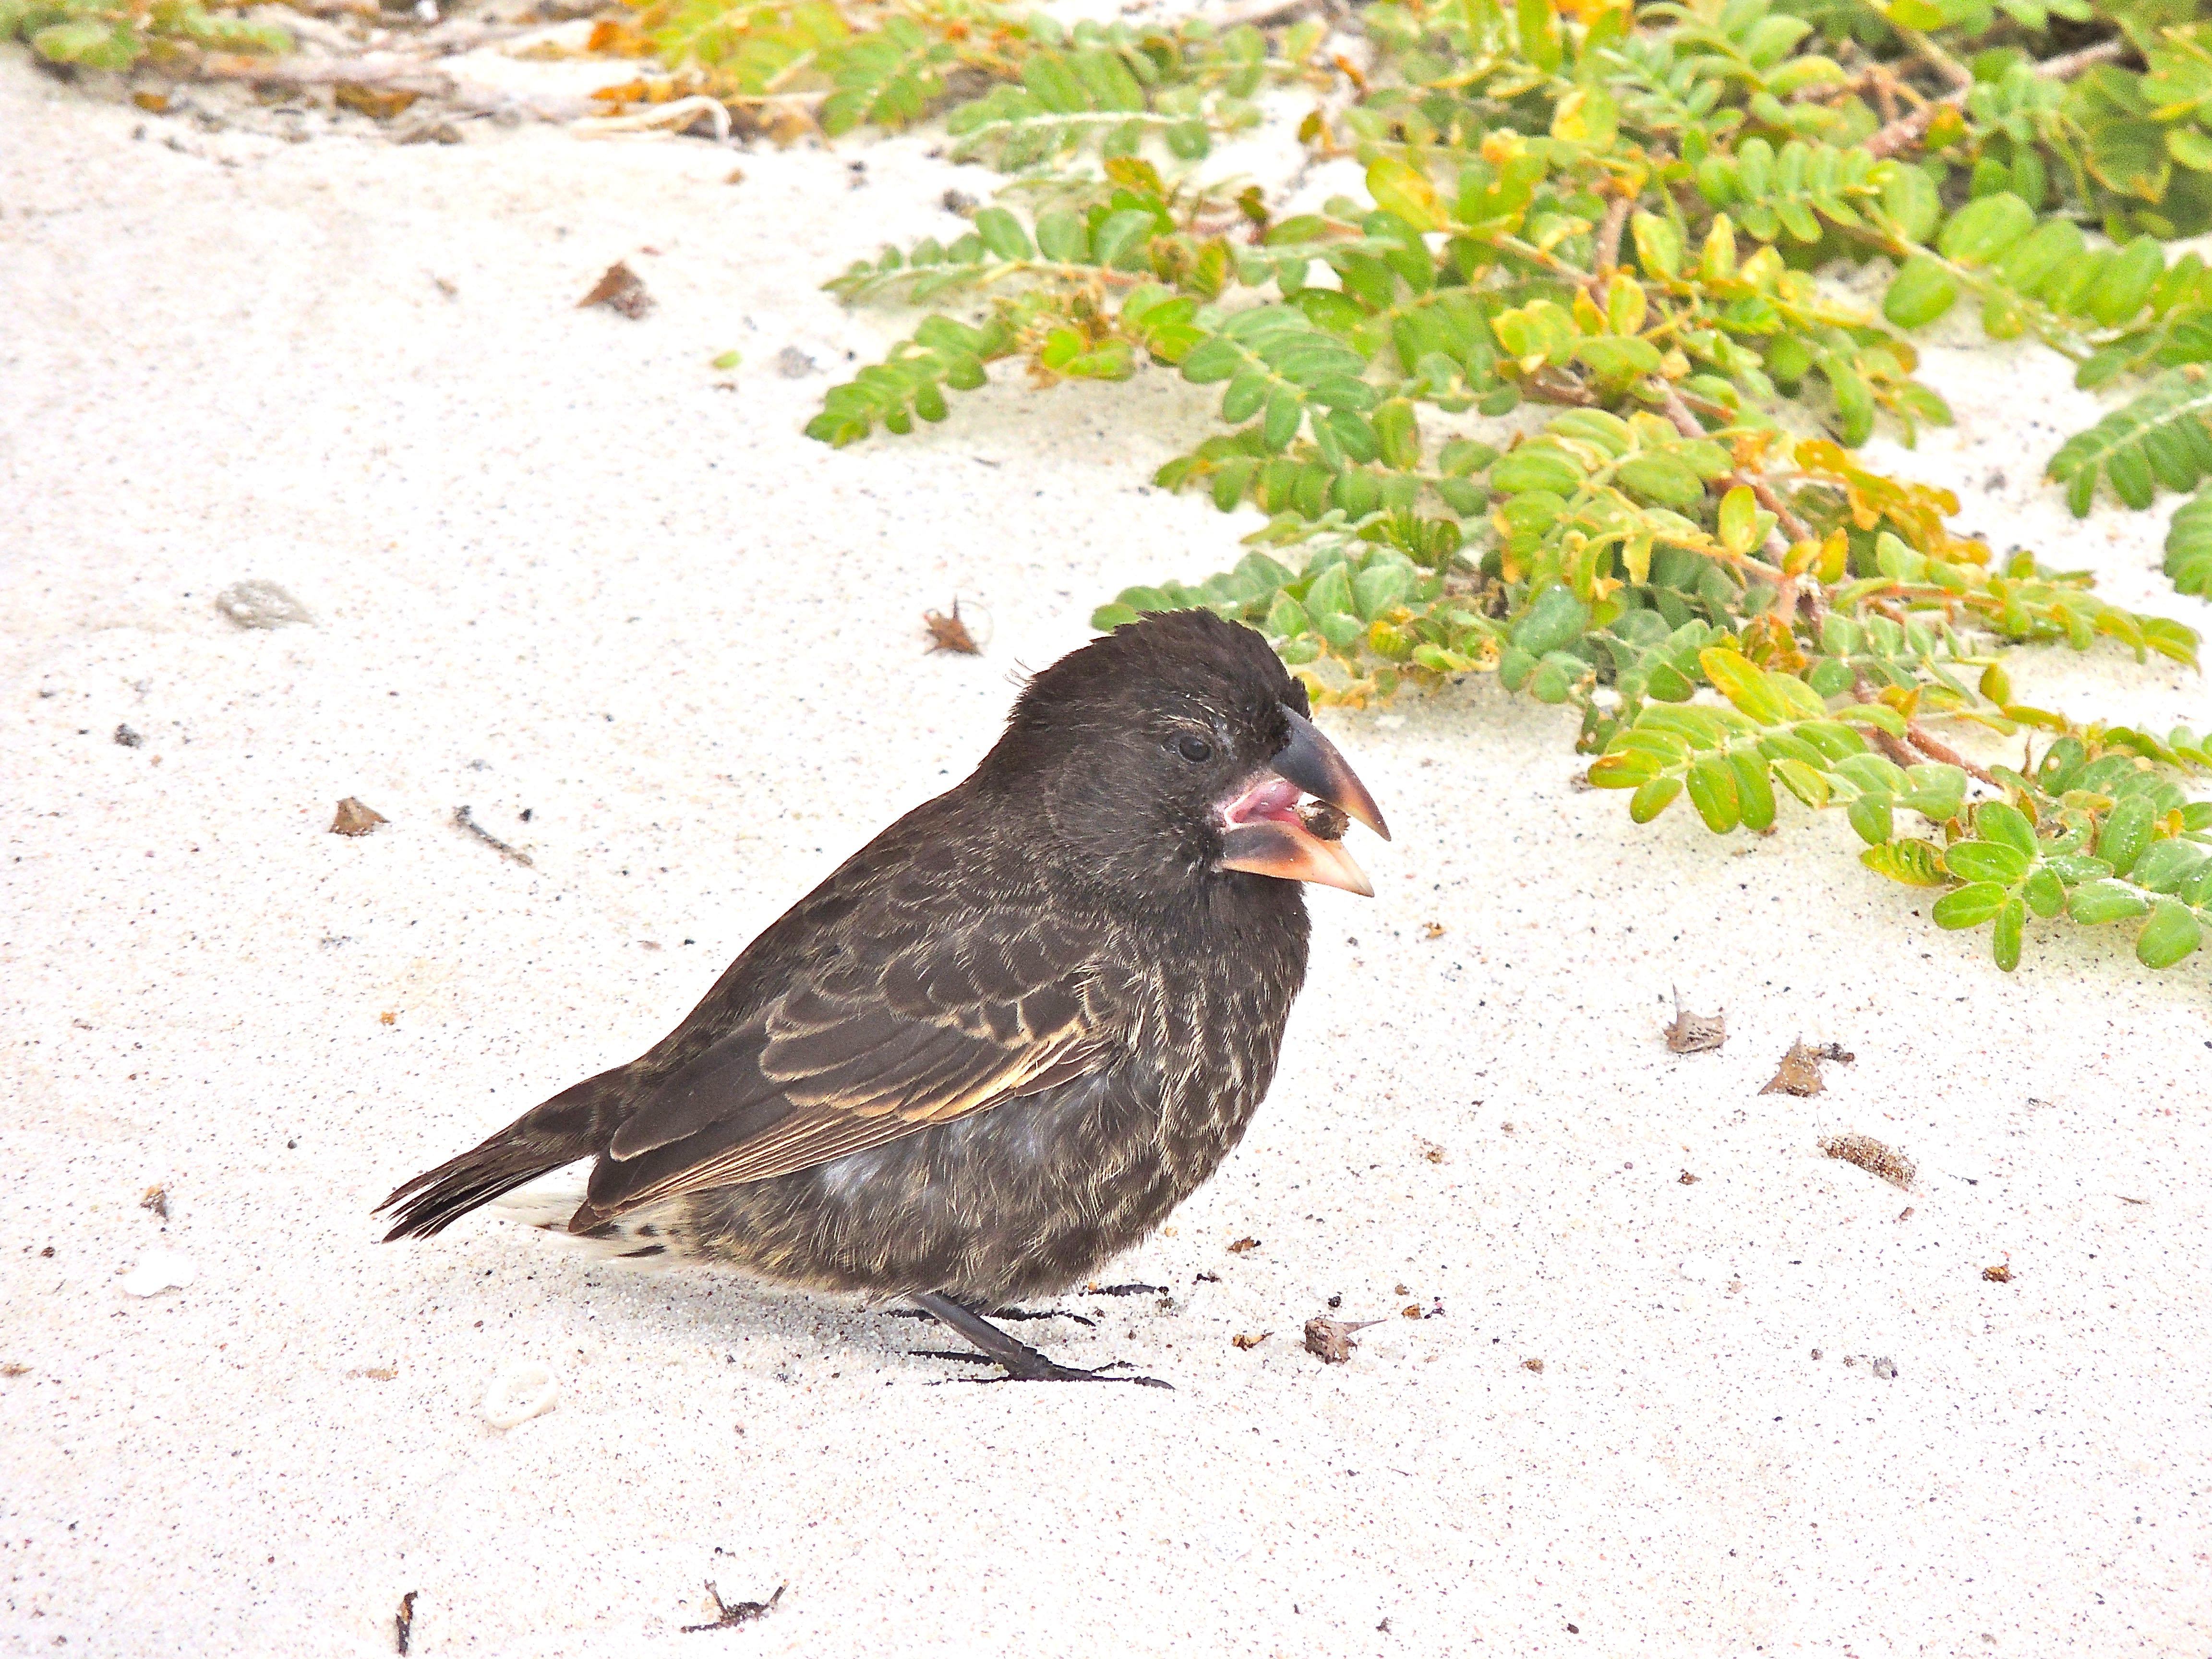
(160, 1270)
(519, 1393)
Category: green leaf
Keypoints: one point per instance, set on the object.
(1658, 246)
(1003, 234)
(1538, 28)
(1330, 594)
(2126, 833)
(1915, 863)
(2046, 895)
(1969, 906)
(1554, 619)
(1397, 431)
(2095, 901)
(95, 44)
(2004, 939)
(1910, 196)
(2168, 419)
(1653, 798)
(1663, 478)
(1406, 191)
(1983, 860)
(1920, 293)
(1983, 229)
(1803, 781)
(1754, 795)
(1713, 793)
(1935, 792)
(1744, 683)
(2170, 934)
(2006, 826)
(1870, 814)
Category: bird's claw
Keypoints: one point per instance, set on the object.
(1036, 1368)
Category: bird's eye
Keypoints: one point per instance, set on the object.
(1195, 750)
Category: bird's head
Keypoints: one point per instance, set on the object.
(1176, 750)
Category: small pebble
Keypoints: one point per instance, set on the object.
(256, 603)
(158, 1270)
(520, 1392)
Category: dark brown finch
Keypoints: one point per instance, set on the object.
(1008, 1036)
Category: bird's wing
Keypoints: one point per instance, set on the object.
(890, 1029)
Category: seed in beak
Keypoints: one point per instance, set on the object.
(1322, 821)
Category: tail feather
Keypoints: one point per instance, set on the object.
(576, 1123)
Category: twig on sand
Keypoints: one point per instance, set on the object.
(661, 120)
(461, 817)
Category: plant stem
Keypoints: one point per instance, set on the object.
(1929, 52)
(1936, 750)
(1909, 131)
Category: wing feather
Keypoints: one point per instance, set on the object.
(956, 1019)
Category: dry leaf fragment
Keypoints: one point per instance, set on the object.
(1871, 1156)
(1251, 1341)
(2000, 1274)
(1693, 1034)
(389, 1017)
(1535, 1365)
(1411, 1310)
(619, 291)
(374, 1373)
(12, 1369)
(156, 1199)
(727, 1614)
(614, 37)
(1330, 1339)
(950, 633)
(1431, 1150)
(1799, 1073)
(1685, 1179)
(1432, 930)
(355, 818)
(381, 102)
(1243, 1245)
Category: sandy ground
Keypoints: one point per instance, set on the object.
(559, 569)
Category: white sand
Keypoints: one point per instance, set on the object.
(554, 568)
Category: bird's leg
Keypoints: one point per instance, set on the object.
(1018, 1361)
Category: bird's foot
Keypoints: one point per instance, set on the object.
(1037, 1368)
(1016, 1361)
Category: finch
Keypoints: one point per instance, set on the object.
(1003, 1040)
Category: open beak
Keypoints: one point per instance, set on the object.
(1266, 832)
